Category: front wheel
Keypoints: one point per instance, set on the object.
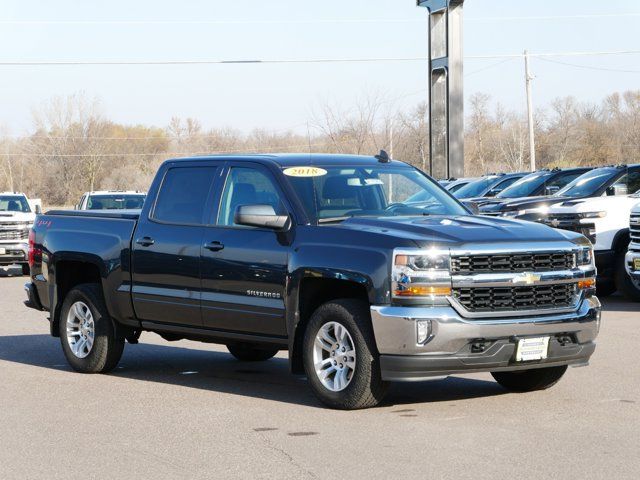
(87, 334)
(530, 380)
(340, 356)
(246, 352)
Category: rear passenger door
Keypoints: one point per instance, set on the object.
(167, 243)
(244, 269)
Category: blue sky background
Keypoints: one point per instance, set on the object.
(283, 96)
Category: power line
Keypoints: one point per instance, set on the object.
(309, 21)
(294, 60)
(590, 67)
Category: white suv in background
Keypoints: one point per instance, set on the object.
(111, 200)
(605, 222)
(17, 214)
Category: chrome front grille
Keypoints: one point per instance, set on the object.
(497, 299)
(21, 234)
(634, 227)
(507, 263)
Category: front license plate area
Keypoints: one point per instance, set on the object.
(3, 251)
(530, 349)
(636, 263)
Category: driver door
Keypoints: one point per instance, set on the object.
(244, 269)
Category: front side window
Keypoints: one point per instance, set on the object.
(183, 195)
(14, 203)
(336, 193)
(247, 186)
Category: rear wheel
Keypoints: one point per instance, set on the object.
(340, 356)
(624, 284)
(530, 380)
(87, 333)
(248, 352)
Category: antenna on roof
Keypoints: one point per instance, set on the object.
(383, 157)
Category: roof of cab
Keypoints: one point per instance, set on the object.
(297, 159)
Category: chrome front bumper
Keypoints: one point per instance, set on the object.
(14, 253)
(452, 345)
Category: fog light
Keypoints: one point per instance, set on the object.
(423, 331)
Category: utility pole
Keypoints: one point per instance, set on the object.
(532, 139)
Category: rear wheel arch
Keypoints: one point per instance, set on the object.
(312, 293)
(68, 275)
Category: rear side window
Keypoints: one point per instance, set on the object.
(183, 195)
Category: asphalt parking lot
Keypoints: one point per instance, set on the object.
(189, 410)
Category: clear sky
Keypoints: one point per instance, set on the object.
(282, 96)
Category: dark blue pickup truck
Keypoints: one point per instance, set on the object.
(324, 256)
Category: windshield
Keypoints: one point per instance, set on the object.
(587, 184)
(335, 193)
(476, 188)
(14, 203)
(115, 202)
(525, 186)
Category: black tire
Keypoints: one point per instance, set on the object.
(366, 387)
(530, 380)
(623, 282)
(605, 289)
(107, 346)
(247, 352)
(26, 270)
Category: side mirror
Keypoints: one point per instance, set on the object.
(473, 206)
(620, 189)
(552, 190)
(493, 192)
(38, 210)
(263, 216)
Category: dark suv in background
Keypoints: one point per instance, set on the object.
(488, 185)
(594, 183)
(532, 191)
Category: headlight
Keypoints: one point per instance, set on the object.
(592, 214)
(421, 274)
(584, 256)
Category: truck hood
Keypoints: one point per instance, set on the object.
(595, 204)
(17, 217)
(458, 230)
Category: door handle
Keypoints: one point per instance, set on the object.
(145, 241)
(214, 246)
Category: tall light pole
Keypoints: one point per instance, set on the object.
(446, 100)
(532, 138)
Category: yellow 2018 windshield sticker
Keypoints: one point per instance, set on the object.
(305, 172)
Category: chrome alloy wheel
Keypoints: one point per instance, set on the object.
(334, 356)
(81, 329)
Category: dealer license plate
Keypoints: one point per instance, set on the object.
(532, 349)
(3, 251)
(636, 263)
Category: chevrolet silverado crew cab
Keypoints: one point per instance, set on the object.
(604, 220)
(321, 256)
(17, 214)
(111, 200)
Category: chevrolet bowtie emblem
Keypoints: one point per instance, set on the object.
(555, 223)
(527, 278)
